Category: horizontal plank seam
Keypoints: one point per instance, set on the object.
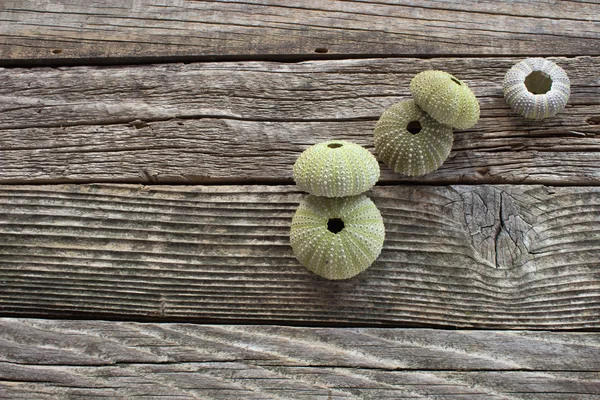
(280, 58)
(331, 366)
(287, 182)
(137, 123)
(303, 324)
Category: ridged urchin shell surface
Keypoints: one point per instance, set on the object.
(445, 98)
(339, 255)
(536, 106)
(336, 168)
(407, 153)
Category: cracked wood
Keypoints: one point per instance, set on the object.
(248, 122)
(66, 31)
(469, 256)
(45, 359)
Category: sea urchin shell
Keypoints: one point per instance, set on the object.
(335, 169)
(337, 238)
(409, 141)
(536, 88)
(447, 99)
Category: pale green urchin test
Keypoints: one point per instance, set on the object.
(409, 141)
(536, 88)
(338, 237)
(336, 168)
(447, 99)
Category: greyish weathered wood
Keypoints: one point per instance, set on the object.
(470, 256)
(44, 359)
(248, 122)
(46, 31)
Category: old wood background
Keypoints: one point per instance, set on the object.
(146, 152)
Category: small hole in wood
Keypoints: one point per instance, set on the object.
(334, 145)
(593, 120)
(321, 50)
(456, 81)
(335, 225)
(414, 127)
(538, 82)
(57, 51)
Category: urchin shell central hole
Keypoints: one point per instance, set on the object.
(538, 82)
(335, 225)
(334, 145)
(414, 127)
(456, 81)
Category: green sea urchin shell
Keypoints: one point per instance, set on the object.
(447, 99)
(335, 169)
(536, 88)
(405, 151)
(337, 238)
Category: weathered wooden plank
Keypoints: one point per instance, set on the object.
(141, 30)
(247, 122)
(470, 256)
(44, 359)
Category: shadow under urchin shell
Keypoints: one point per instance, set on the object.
(407, 153)
(445, 98)
(336, 168)
(342, 255)
(536, 88)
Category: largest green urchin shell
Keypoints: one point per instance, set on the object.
(336, 168)
(536, 88)
(447, 99)
(337, 238)
(411, 153)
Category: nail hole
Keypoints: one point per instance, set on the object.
(414, 127)
(334, 145)
(57, 51)
(538, 82)
(593, 120)
(335, 225)
(139, 124)
(456, 81)
(321, 50)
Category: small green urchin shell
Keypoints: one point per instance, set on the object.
(341, 255)
(335, 169)
(447, 99)
(536, 88)
(407, 153)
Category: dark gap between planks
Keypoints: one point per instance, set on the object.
(268, 322)
(281, 58)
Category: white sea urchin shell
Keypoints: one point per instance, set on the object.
(337, 237)
(536, 88)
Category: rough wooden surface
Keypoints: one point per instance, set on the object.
(122, 360)
(471, 256)
(503, 256)
(248, 122)
(47, 31)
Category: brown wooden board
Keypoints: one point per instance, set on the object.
(467, 256)
(248, 122)
(45, 359)
(50, 31)
(235, 102)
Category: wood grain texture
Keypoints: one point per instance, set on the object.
(468, 256)
(248, 122)
(122, 360)
(140, 30)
